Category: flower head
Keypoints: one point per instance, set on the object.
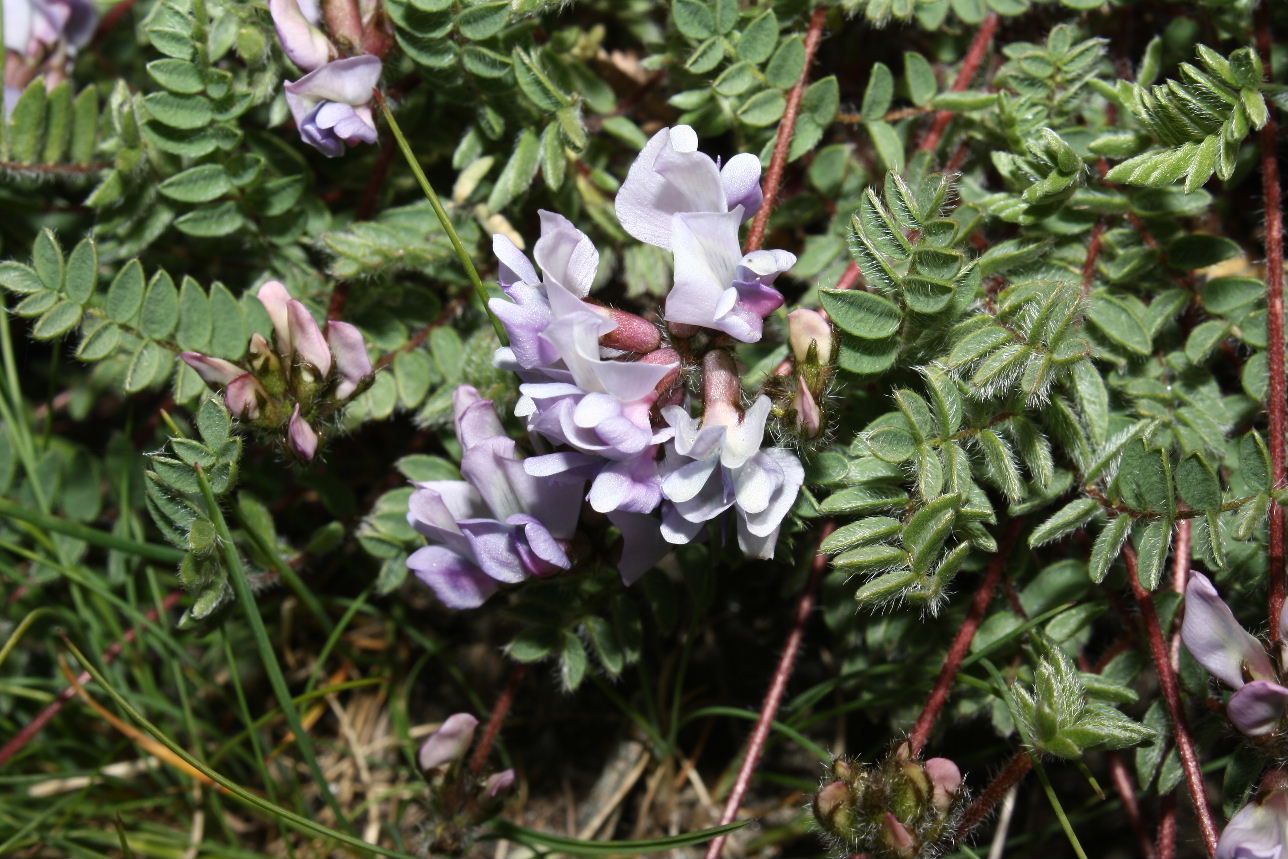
(331, 104)
(449, 743)
(498, 526)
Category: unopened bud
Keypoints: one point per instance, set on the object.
(945, 781)
(809, 418)
(498, 782)
(303, 438)
(721, 389)
(806, 326)
(834, 808)
(266, 365)
(632, 334)
(215, 372)
(449, 743)
(244, 397)
(897, 838)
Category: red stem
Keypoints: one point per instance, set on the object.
(45, 716)
(1167, 828)
(1126, 788)
(961, 644)
(1172, 695)
(1093, 254)
(974, 56)
(774, 697)
(849, 277)
(493, 727)
(1277, 396)
(1014, 770)
(786, 130)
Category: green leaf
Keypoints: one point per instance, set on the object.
(1001, 469)
(484, 20)
(199, 184)
(84, 125)
(1254, 462)
(1198, 484)
(160, 308)
(920, 76)
(27, 123)
(1151, 551)
(47, 260)
(150, 365)
(1196, 251)
(209, 221)
(228, 331)
(58, 127)
(1118, 321)
(177, 76)
(764, 108)
(705, 57)
(214, 422)
(484, 62)
(534, 83)
(1064, 521)
(869, 558)
(413, 375)
(860, 533)
(759, 37)
(20, 279)
(736, 79)
(81, 275)
(693, 18)
(99, 341)
(888, 145)
(1144, 479)
(889, 586)
(186, 112)
(858, 500)
(863, 314)
(57, 320)
(194, 317)
(519, 171)
(125, 295)
(572, 662)
(788, 63)
(879, 93)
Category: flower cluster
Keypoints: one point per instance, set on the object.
(41, 37)
(459, 798)
(331, 104)
(299, 381)
(605, 388)
(901, 808)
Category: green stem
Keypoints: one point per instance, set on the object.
(1058, 808)
(241, 585)
(237, 791)
(264, 543)
(93, 536)
(436, 204)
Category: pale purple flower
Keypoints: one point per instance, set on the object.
(718, 463)
(499, 525)
(1259, 830)
(296, 23)
(716, 286)
(34, 28)
(303, 438)
(331, 104)
(215, 372)
(449, 743)
(498, 782)
(307, 342)
(1235, 657)
(352, 363)
(671, 177)
(244, 395)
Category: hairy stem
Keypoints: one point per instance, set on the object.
(786, 130)
(1277, 394)
(961, 644)
(974, 56)
(1172, 696)
(467, 262)
(1015, 769)
(1126, 787)
(774, 697)
(499, 711)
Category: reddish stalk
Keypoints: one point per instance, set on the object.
(1014, 770)
(45, 716)
(961, 644)
(774, 697)
(493, 727)
(1126, 788)
(1167, 828)
(1277, 395)
(974, 56)
(1093, 254)
(1172, 695)
(849, 277)
(786, 131)
(1180, 576)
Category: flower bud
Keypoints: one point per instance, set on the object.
(806, 327)
(274, 296)
(303, 439)
(449, 743)
(632, 334)
(721, 389)
(216, 372)
(898, 839)
(351, 360)
(306, 338)
(945, 780)
(304, 43)
(809, 418)
(498, 782)
(244, 397)
(266, 365)
(834, 809)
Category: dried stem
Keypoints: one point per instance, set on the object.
(974, 56)
(961, 644)
(493, 727)
(1014, 770)
(786, 130)
(45, 716)
(1277, 395)
(774, 697)
(1172, 695)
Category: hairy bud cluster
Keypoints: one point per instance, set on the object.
(459, 799)
(900, 808)
(801, 387)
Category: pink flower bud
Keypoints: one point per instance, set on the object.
(721, 389)
(632, 334)
(809, 326)
(498, 782)
(897, 838)
(834, 808)
(304, 43)
(274, 296)
(945, 781)
(302, 437)
(809, 419)
(243, 397)
(351, 359)
(449, 743)
(216, 372)
(306, 338)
